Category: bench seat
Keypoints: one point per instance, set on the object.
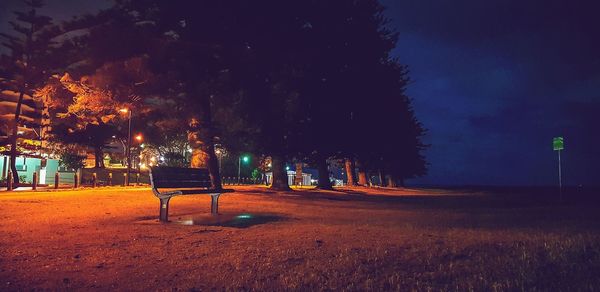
(168, 182)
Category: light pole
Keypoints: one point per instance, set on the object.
(245, 158)
(128, 151)
(220, 156)
(139, 138)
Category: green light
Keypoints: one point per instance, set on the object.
(245, 158)
(244, 216)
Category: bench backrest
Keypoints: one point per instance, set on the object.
(179, 177)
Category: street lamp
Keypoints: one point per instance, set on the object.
(245, 158)
(128, 152)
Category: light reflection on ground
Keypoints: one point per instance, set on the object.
(238, 220)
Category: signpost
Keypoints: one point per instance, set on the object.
(558, 145)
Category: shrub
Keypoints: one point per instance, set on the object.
(71, 160)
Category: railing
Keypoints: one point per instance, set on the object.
(90, 177)
(235, 181)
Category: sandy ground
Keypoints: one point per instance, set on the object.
(350, 239)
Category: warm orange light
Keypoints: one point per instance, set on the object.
(139, 137)
(124, 110)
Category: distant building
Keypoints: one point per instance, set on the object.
(45, 168)
(306, 178)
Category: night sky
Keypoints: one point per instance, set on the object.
(493, 82)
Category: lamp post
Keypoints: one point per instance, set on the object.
(220, 157)
(245, 158)
(128, 152)
(139, 138)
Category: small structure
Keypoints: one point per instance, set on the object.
(306, 178)
(45, 170)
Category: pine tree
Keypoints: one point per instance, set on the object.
(26, 66)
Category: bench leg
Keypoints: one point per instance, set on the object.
(214, 204)
(164, 209)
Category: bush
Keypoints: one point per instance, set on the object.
(22, 179)
(71, 160)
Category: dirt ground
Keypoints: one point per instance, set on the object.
(349, 239)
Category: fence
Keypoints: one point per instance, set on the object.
(233, 181)
(94, 177)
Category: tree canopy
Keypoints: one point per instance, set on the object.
(310, 81)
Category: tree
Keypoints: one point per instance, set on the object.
(349, 42)
(70, 159)
(301, 80)
(27, 65)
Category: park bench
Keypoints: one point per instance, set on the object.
(187, 181)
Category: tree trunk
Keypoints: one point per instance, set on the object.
(362, 177)
(279, 179)
(324, 182)
(381, 178)
(213, 167)
(199, 159)
(98, 157)
(349, 164)
(14, 139)
(391, 182)
(204, 136)
(298, 179)
(204, 156)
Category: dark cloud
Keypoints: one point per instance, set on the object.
(507, 76)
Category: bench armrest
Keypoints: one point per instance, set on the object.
(165, 194)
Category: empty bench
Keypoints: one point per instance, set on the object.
(188, 181)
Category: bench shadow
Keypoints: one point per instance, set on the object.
(235, 220)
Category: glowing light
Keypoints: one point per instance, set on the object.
(245, 158)
(270, 164)
(287, 168)
(124, 110)
(139, 137)
(244, 216)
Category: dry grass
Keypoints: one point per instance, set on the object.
(305, 240)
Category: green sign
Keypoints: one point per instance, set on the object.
(558, 143)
